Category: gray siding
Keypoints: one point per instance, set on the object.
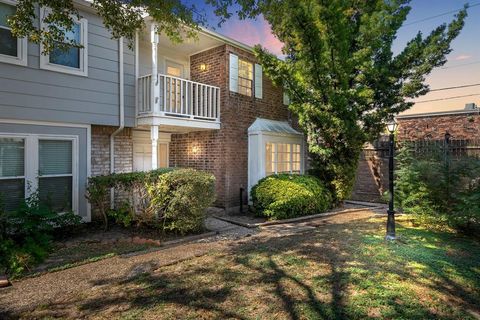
(30, 93)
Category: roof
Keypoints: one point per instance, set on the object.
(266, 125)
(438, 114)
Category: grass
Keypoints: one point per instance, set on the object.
(338, 271)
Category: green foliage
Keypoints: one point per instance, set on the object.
(181, 198)
(170, 200)
(438, 190)
(286, 196)
(26, 233)
(175, 18)
(342, 76)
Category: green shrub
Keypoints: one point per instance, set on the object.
(439, 191)
(166, 199)
(286, 196)
(26, 233)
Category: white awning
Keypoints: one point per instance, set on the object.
(273, 126)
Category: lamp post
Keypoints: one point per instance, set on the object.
(391, 127)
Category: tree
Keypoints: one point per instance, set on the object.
(342, 75)
(122, 17)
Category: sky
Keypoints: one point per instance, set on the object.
(462, 68)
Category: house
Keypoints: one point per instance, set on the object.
(461, 124)
(106, 108)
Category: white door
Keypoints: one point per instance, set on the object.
(142, 156)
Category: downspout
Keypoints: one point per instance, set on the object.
(121, 99)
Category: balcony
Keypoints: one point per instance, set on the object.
(177, 104)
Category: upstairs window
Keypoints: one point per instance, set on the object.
(245, 77)
(12, 49)
(73, 59)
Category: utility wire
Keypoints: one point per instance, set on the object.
(439, 15)
(449, 98)
(459, 65)
(456, 87)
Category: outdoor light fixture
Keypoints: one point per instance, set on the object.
(195, 150)
(391, 127)
(203, 67)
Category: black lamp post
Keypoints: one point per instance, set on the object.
(391, 127)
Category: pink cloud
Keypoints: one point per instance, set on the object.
(252, 33)
(462, 57)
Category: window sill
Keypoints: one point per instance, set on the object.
(13, 60)
(61, 69)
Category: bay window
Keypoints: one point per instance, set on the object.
(40, 163)
(282, 158)
(12, 49)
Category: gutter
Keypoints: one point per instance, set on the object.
(121, 106)
(439, 114)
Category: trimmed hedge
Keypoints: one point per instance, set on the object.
(166, 199)
(286, 196)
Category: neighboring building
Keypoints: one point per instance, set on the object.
(98, 109)
(460, 124)
(372, 174)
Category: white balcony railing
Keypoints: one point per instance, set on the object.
(176, 97)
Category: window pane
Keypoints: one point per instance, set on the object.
(68, 58)
(173, 71)
(56, 192)
(8, 43)
(5, 11)
(12, 157)
(55, 157)
(12, 192)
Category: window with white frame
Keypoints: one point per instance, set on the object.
(39, 163)
(282, 158)
(245, 77)
(12, 49)
(74, 58)
(12, 172)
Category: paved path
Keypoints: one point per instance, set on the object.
(61, 285)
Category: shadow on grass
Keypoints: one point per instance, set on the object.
(339, 271)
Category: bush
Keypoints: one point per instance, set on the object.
(286, 196)
(26, 233)
(166, 199)
(438, 191)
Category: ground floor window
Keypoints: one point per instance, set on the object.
(282, 158)
(38, 163)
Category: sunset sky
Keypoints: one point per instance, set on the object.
(462, 68)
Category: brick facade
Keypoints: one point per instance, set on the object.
(461, 125)
(101, 150)
(225, 152)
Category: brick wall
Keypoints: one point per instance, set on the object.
(225, 152)
(460, 126)
(101, 150)
(371, 180)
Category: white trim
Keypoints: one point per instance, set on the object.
(88, 127)
(83, 54)
(439, 114)
(22, 45)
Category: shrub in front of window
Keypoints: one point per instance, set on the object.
(26, 233)
(286, 196)
(166, 199)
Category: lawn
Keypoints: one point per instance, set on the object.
(342, 269)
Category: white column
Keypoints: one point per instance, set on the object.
(154, 137)
(155, 84)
